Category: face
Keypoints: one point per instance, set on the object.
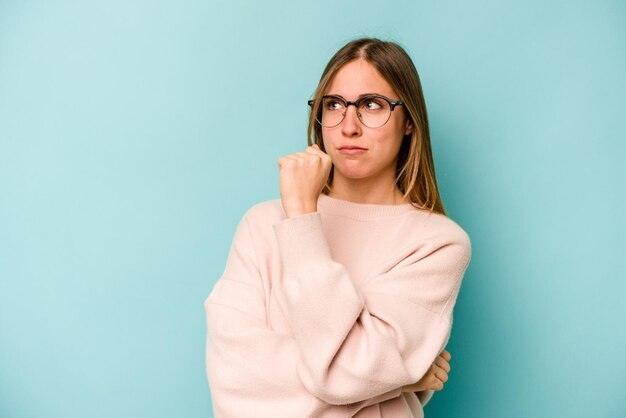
(381, 144)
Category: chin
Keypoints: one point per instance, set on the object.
(353, 173)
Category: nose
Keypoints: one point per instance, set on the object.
(351, 125)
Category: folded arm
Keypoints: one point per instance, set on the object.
(357, 342)
(251, 369)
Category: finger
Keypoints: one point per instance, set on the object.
(411, 388)
(284, 160)
(443, 364)
(435, 384)
(299, 156)
(442, 377)
(320, 154)
(291, 157)
(445, 354)
(308, 152)
(316, 150)
(440, 374)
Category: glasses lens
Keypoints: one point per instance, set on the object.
(332, 113)
(374, 111)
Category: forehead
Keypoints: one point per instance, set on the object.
(359, 77)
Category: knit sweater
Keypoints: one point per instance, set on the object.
(330, 313)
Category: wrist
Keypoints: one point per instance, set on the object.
(294, 213)
(297, 209)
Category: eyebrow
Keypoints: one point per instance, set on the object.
(358, 97)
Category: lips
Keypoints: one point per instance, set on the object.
(351, 147)
(352, 150)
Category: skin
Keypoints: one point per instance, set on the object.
(367, 177)
(435, 377)
(362, 178)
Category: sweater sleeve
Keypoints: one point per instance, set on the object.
(424, 396)
(356, 342)
(251, 369)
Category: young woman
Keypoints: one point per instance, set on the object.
(337, 298)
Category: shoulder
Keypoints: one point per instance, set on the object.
(435, 231)
(260, 217)
(267, 211)
(258, 221)
(449, 228)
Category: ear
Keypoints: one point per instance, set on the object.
(409, 127)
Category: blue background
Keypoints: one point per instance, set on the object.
(134, 135)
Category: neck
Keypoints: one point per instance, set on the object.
(379, 191)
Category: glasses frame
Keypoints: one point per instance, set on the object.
(356, 103)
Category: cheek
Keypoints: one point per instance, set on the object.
(398, 125)
(390, 136)
(326, 135)
(389, 142)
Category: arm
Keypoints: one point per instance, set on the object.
(359, 342)
(251, 369)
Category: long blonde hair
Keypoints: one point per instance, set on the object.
(415, 169)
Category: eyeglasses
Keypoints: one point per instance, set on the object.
(373, 110)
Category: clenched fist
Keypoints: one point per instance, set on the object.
(303, 176)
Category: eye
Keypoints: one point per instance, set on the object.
(371, 104)
(332, 104)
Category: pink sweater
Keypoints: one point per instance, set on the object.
(330, 313)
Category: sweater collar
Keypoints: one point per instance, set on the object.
(360, 211)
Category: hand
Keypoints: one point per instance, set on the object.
(303, 176)
(435, 377)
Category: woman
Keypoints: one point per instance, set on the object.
(337, 298)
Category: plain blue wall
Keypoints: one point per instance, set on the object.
(134, 135)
